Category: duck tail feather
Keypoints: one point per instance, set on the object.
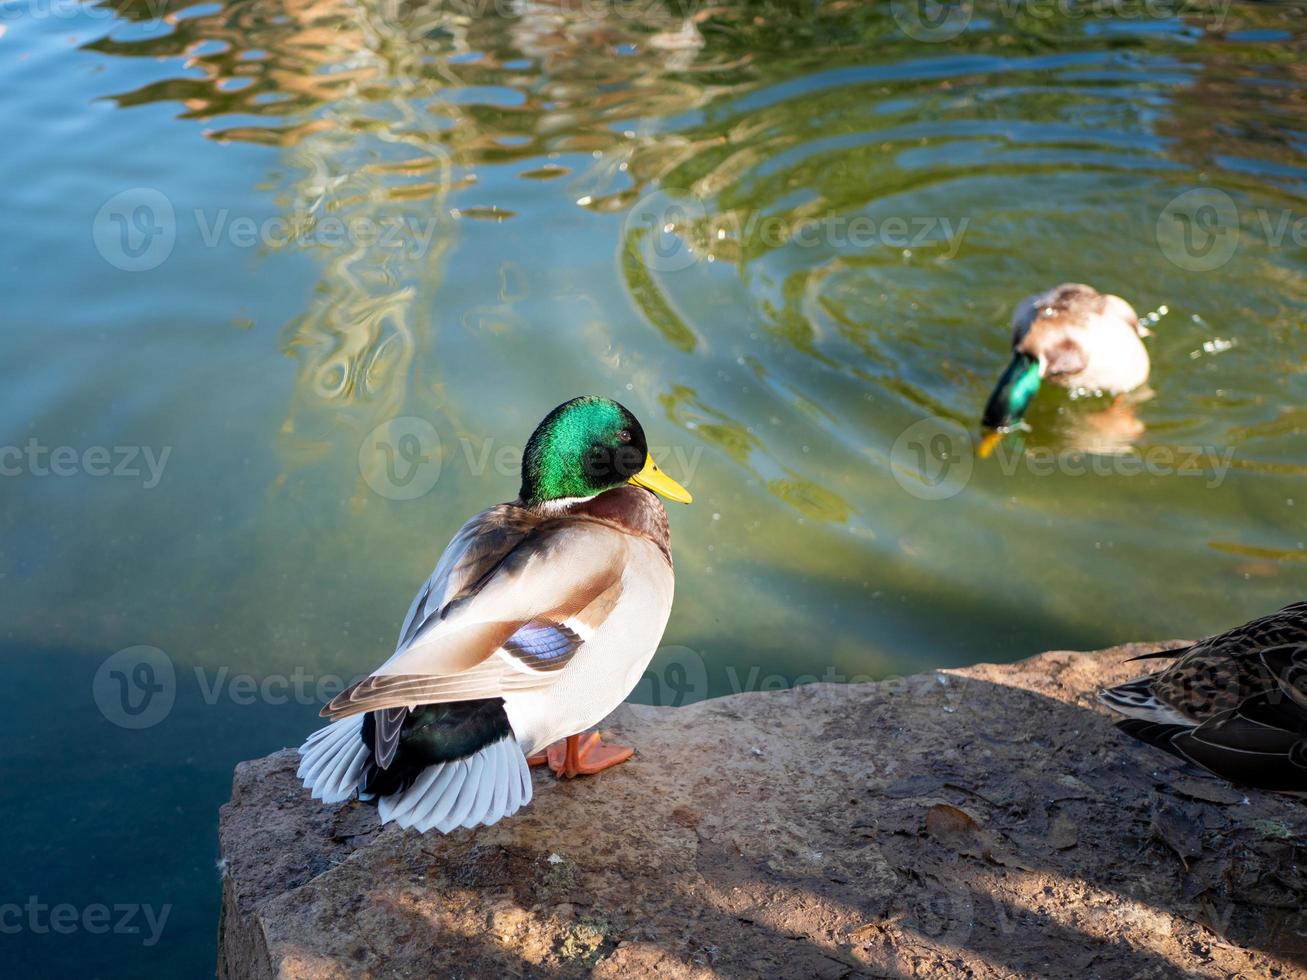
(492, 783)
(1159, 654)
(1138, 699)
(332, 760)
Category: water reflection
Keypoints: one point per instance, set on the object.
(820, 221)
(371, 170)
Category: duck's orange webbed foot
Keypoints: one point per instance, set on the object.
(581, 755)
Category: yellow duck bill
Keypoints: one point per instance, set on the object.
(652, 478)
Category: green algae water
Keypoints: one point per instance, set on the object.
(288, 284)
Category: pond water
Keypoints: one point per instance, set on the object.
(287, 285)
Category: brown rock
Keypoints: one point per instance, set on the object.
(985, 822)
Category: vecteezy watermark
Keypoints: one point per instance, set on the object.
(135, 687)
(944, 20)
(753, 679)
(136, 230)
(934, 459)
(1199, 229)
(97, 919)
(673, 13)
(855, 231)
(154, 10)
(407, 233)
(932, 20)
(37, 459)
(402, 458)
(676, 676)
(298, 687)
(1202, 229)
(1206, 463)
(669, 230)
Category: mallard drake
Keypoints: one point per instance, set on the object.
(539, 619)
(1076, 337)
(1235, 704)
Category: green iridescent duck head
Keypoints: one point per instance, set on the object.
(587, 446)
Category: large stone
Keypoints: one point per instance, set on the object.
(985, 822)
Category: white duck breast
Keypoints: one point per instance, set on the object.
(607, 666)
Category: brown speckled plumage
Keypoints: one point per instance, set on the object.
(1222, 672)
(1235, 703)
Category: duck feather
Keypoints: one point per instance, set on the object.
(1235, 703)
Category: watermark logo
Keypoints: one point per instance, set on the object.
(668, 231)
(932, 459)
(148, 12)
(96, 919)
(944, 20)
(755, 680)
(136, 687)
(36, 459)
(1203, 229)
(407, 235)
(1199, 230)
(931, 20)
(676, 676)
(660, 228)
(1203, 462)
(401, 458)
(135, 230)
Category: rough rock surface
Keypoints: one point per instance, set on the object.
(985, 822)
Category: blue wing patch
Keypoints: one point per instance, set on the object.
(542, 645)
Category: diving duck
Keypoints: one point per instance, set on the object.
(539, 619)
(1073, 336)
(1235, 704)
